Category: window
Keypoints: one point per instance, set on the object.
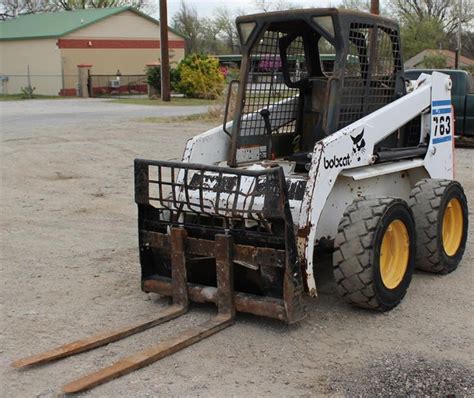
(327, 56)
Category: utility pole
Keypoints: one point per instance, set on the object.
(165, 56)
(458, 47)
(374, 7)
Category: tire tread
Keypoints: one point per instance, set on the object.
(354, 278)
(425, 201)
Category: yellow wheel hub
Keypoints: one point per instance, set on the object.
(452, 227)
(394, 254)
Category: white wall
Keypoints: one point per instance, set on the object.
(126, 25)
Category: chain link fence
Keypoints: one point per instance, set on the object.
(41, 84)
(118, 86)
(108, 86)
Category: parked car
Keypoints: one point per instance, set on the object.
(462, 97)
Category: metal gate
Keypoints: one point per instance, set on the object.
(118, 86)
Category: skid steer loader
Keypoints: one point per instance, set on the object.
(340, 153)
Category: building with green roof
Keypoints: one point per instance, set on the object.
(52, 45)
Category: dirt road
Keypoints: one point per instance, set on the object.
(69, 267)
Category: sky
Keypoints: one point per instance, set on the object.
(206, 8)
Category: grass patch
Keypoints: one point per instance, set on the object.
(175, 101)
(22, 97)
(198, 117)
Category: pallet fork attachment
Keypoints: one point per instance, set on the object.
(224, 318)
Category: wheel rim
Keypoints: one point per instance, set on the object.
(394, 254)
(452, 227)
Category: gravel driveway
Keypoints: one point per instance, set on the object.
(85, 113)
(69, 267)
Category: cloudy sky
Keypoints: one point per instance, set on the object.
(206, 8)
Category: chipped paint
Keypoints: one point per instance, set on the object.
(321, 181)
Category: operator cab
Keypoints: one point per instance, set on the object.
(306, 74)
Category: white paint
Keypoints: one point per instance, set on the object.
(209, 148)
(342, 169)
(376, 127)
(439, 161)
(375, 170)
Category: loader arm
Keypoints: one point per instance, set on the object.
(354, 147)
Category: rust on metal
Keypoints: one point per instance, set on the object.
(224, 318)
(293, 287)
(178, 269)
(202, 247)
(304, 231)
(98, 340)
(149, 356)
(225, 275)
(257, 305)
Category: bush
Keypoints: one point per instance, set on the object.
(153, 74)
(153, 77)
(28, 92)
(174, 79)
(200, 77)
(233, 74)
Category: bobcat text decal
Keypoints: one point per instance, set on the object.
(337, 161)
(358, 148)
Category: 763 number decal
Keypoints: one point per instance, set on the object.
(441, 125)
(441, 121)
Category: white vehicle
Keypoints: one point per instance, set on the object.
(331, 154)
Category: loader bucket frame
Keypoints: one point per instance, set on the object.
(251, 206)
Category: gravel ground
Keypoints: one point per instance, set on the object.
(69, 267)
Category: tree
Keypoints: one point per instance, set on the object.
(80, 4)
(468, 44)
(275, 5)
(186, 21)
(215, 35)
(359, 5)
(14, 8)
(435, 61)
(362, 5)
(224, 21)
(444, 12)
(421, 35)
(209, 41)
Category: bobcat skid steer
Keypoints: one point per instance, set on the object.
(332, 151)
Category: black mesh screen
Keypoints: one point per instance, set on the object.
(384, 73)
(265, 86)
(356, 75)
(372, 64)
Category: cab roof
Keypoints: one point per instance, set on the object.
(342, 13)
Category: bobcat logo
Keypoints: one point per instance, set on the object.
(358, 145)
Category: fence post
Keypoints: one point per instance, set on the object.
(82, 80)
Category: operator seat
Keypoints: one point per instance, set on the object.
(310, 127)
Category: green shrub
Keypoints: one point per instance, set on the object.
(435, 61)
(200, 77)
(153, 77)
(174, 79)
(233, 74)
(28, 92)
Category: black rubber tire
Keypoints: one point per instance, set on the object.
(428, 201)
(357, 255)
